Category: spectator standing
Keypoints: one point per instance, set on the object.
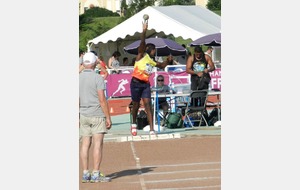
(209, 51)
(95, 119)
(100, 69)
(197, 65)
(103, 67)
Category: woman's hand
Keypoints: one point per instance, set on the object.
(200, 74)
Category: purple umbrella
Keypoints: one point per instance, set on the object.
(208, 40)
(164, 47)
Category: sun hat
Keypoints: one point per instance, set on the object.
(89, 58)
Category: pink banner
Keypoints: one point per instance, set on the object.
(118, 85)
(215, 79)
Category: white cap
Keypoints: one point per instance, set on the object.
(89, 58)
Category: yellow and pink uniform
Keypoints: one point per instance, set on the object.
(143, 68)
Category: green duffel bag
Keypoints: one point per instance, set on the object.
(174, 121)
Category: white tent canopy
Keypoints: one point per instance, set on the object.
(188, 22)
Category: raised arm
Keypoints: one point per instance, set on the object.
(142, 47)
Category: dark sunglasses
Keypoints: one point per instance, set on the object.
(160, 80)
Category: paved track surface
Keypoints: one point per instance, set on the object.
(189, 163)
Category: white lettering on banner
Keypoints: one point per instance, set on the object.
(219, 83)
(215, 73)
(115, 86)
(215, 83)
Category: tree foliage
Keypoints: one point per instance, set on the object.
(95, 12)
(90, 26)
(135, 7)
(99, 12)
(214, 5)
(176, 2)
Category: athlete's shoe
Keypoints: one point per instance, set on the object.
(86, 177)
(133, 129)
(99, 177)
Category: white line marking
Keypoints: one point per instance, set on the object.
(185, 171)
(188, 188)
(179, 180)
(188, 164)
(138, 166)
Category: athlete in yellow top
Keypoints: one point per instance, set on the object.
(143, 68)
(140, 85)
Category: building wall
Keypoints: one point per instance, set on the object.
(201, 3)
(112, 5)
(115, 5)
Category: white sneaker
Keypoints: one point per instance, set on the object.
(133, 129)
